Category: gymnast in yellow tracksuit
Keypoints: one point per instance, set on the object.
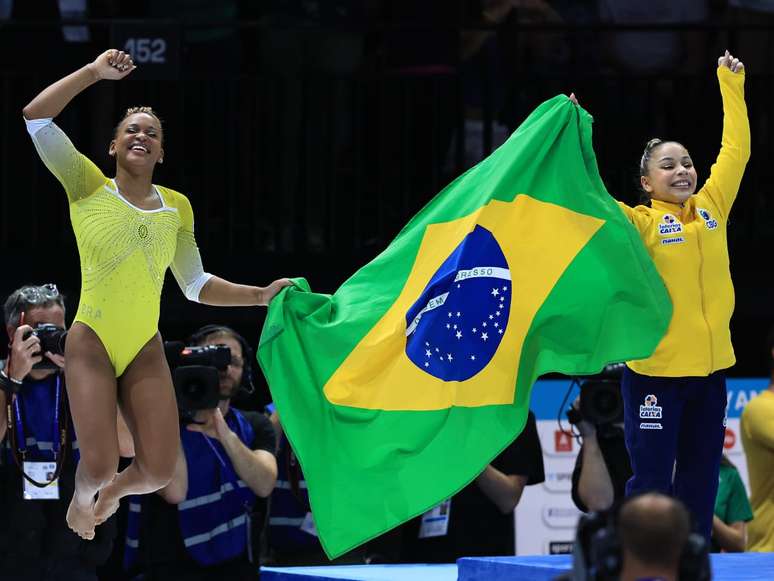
(128, 232)
(675, 401)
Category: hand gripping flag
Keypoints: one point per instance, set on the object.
(400, 388)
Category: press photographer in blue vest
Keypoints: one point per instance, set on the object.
(205, 524)
(38, 450)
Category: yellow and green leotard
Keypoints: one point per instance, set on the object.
(124, 250)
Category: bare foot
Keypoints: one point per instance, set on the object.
(106, 505)
(81, 519)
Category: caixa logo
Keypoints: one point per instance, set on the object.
(560, 517)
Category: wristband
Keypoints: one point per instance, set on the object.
(9, 384)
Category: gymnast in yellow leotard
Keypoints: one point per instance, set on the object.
(128, 232)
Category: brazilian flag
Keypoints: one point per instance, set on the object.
(399, 389)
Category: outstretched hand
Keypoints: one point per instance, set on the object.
(271, 291)
(728, 61)
(113, 64)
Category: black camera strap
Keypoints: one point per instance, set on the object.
(61, 427)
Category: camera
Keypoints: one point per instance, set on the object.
(52, 339)
(600, 398)
(196, 374)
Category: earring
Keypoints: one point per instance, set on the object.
(161, 160)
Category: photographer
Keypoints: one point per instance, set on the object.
(203, 524)
(38, 444)
(645, 537)
(602, 466)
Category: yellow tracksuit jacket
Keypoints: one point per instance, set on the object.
(689, 246)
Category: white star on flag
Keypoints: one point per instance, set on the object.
(495, 292)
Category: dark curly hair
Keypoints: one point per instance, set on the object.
(132, 111)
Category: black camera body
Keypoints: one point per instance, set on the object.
(196, 374)
(600, 399)
(52, 339)
(597, 553)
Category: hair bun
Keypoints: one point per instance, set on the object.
(653, 143)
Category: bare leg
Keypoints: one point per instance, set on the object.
(148, 404)
(91, 389)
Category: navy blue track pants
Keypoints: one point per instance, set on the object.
(674, 428)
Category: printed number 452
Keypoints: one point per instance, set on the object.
(147, 50)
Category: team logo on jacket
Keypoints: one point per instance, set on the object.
(650, 411)
(709, 221)
(669, 225)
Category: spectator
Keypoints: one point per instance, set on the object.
(732, 511)
(35, 542)
(753, 20)
(306, 62)
(757, 428)
(666, 60)
(203, 525)
(478, 520)
(292, 538)
(648, 51)
(653, 531)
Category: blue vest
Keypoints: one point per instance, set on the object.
(289, 505)
(214, 517)
(37, 406)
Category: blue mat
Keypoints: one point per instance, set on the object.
(531, 568)
(725, 567)
(362, 573)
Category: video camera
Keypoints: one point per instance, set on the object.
(600, 398)
(597, 552)
(195, 374)
(52, 339)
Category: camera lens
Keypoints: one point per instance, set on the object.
(601, 402)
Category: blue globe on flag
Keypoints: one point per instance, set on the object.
(456, 325)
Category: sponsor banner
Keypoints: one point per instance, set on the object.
(559, 481)
(560, 547)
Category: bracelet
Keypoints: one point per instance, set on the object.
(9, 378)
(9, 384)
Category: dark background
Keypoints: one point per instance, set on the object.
(306, 133)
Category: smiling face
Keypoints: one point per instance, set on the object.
(671, 176)
(137, 142)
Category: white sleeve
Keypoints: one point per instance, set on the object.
(187, 266)
(35, 125)
(76, 172)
